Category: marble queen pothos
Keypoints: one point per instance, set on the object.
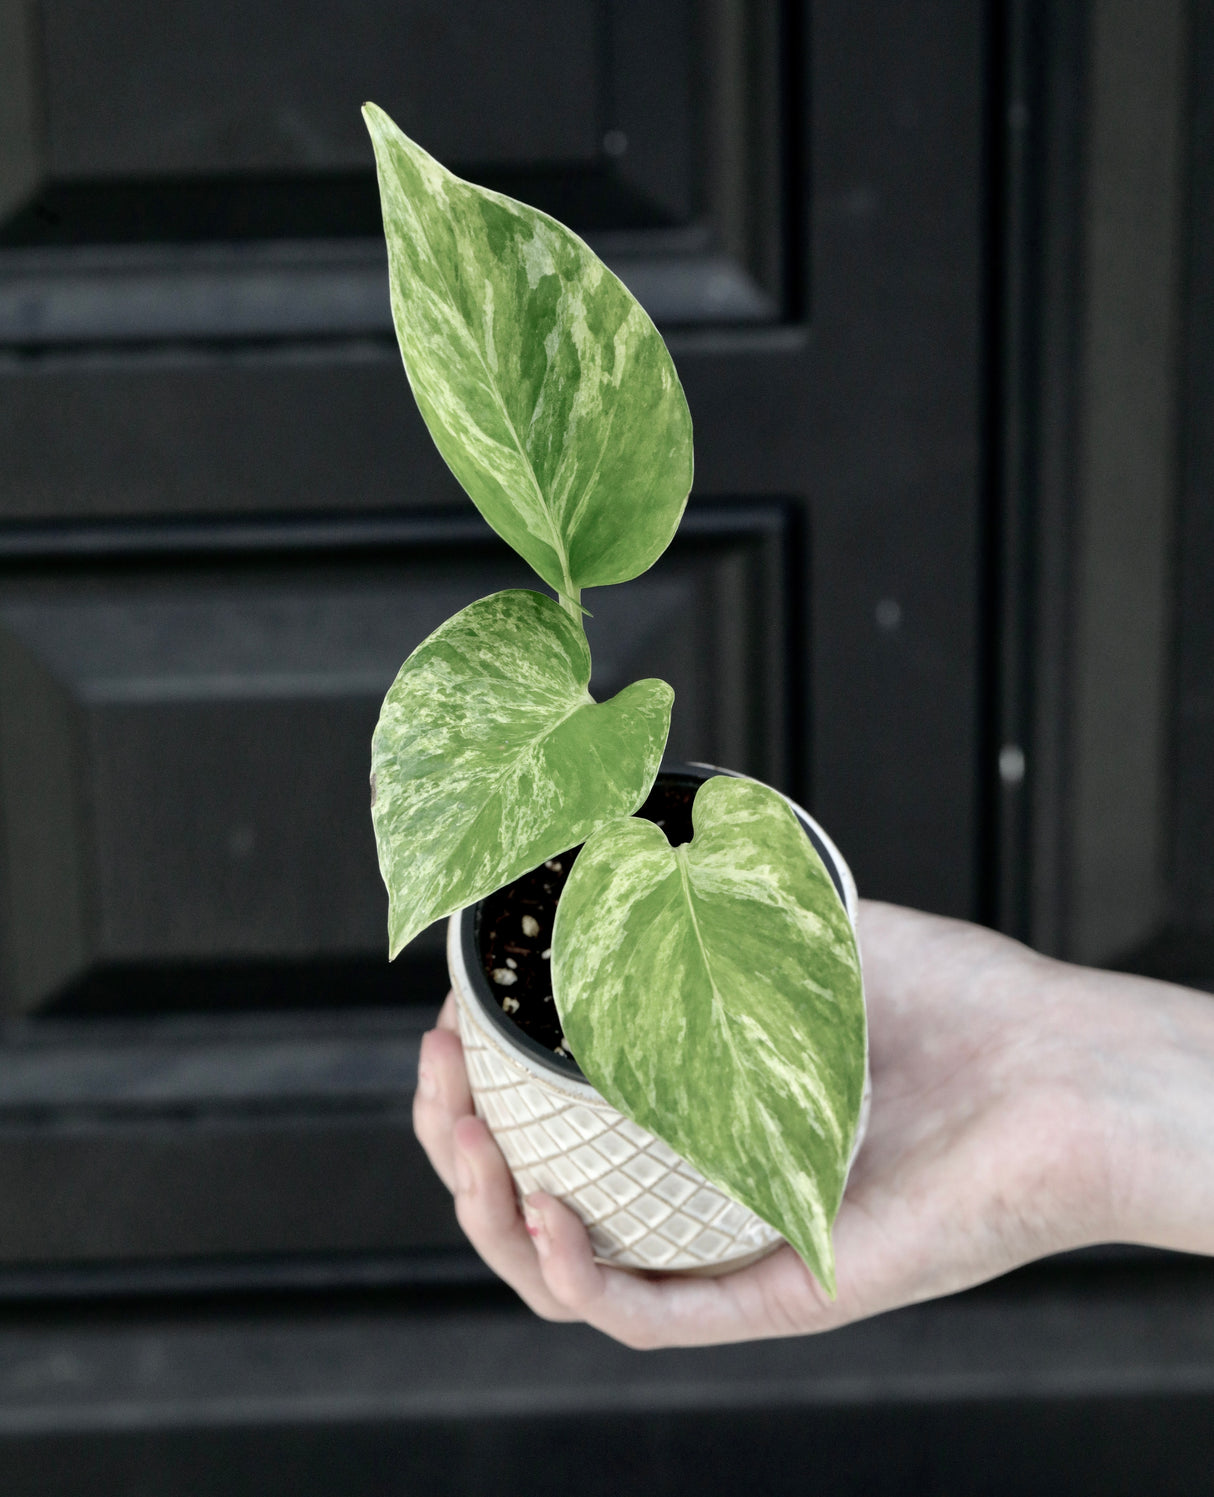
(711, 991)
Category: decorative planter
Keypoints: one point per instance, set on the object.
(643, 1205)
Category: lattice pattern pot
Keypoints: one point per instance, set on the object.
(643, 1205)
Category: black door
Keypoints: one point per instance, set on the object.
(223, 525)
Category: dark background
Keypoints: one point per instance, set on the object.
(939, 281)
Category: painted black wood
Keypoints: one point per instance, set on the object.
(1182, 950)
(863, 398)
(1193, 808)
(185, 715)
(1024, 1387)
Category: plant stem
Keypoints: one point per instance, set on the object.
(571, 602)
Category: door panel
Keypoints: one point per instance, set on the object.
(199, 726)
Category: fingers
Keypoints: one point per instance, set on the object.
(775, 1297)
(487, 1209)
(468, 1162)
(565, 1256)
(448, 1017)
(548, 1260)
(441, 1099)
(621, 1305)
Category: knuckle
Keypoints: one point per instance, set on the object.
(467, 1215)
(424, 1123)
(638, 1337)
(482, 1212)
(554, 1314)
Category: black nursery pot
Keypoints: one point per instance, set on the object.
(518, 1000)
(644, 1207)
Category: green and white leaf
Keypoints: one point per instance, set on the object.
(544, 383)
(712, 993)
(491, 756)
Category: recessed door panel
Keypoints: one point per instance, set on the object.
(201, 732)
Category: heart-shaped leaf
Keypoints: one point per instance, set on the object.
(546, 387)
(712, 993)
(491, 756)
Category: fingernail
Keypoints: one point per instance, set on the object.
(427, 1088)
(538, 1229)
(464, 1179)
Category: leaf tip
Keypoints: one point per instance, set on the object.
(383, 129)
(819, 1258)
(401, 930)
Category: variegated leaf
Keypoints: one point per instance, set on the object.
(491, 756)
(712, 993)
(545, 385)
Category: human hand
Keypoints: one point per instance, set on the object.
(1020, 1107)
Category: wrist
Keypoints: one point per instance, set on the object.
(1150, 1102)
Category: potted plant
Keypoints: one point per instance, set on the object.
(707, 1060)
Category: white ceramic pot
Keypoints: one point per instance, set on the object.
(643, 1205)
